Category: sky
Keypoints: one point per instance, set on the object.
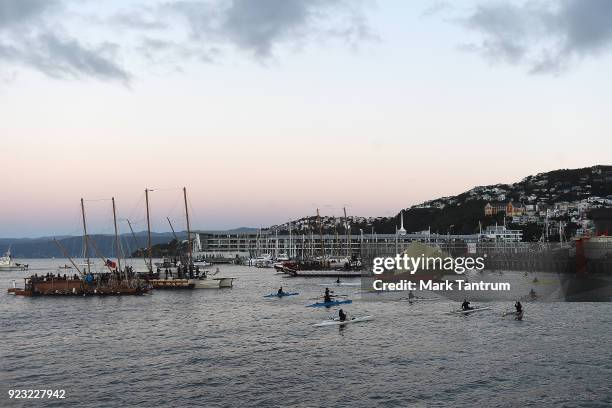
(266, 110)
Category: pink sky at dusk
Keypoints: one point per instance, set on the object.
(404, 117)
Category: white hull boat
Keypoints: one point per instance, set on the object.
(212, 283)
(7, 264)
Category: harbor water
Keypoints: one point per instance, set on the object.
(235, 348)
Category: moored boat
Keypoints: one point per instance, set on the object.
(7, 264)
(100, 284)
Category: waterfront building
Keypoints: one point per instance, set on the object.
(224, 247)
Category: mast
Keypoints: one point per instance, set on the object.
(61, 247)
(150, 251)
(172, 228)
(85, 236)
(348, 235)
(336, 241)
(116, 236)
(144, 255)
(290, 242)
(178, 243)
(321, 235)
(188, 227)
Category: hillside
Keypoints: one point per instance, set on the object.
(44, 247)
(564, 196)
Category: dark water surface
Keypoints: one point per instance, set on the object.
(233, 348)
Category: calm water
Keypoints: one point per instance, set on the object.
(232, 347)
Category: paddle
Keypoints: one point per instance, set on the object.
(331, 296)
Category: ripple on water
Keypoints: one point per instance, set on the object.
(236, 348)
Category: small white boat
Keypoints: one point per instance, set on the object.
(262, 261)
(208, 281)
(7, 264)
(282, 257)
(201, 262)
(212, 283)
(337, 322)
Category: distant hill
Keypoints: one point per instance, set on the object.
(45, 247)
(464, 213)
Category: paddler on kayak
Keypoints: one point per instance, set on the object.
(280, 291)
(342, 315)
(518, 307)
(466, 305)
(410, 295)
(327, 296)
(338, 280)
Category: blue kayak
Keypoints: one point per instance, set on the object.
(271, 295)
(330, 304)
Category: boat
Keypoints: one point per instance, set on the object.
(337, 322)
(282, 257)
(201, 262)
(180, 271)
(262, 261)
(419, 299)
(330, 304)
(469, 311)
(206, 282)
(7, 264)
(111, 283)
(283, 294)
(168, 262)
(332, 267)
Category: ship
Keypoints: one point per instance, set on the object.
(7, 264)
(179, 271)
(328, 266)
(112, 281)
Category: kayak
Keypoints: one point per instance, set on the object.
(474, 310)
(271, 295)
(517, 316)
(419, 299)
(337, 322)
(330, 304)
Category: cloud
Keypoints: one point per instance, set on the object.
(259, 27)
(13, 12)
(27, 40)
(66, 57)
(546, 37)
(62, 39)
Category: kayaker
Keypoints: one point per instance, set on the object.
(518, 307)
(280, 291)
(342, 315)
(327, 296)
(410, 295)
(338, 280)
(466, 305)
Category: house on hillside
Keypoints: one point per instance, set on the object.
(510, 209)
